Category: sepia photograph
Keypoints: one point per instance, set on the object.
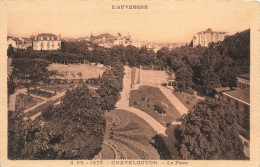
(153, 83)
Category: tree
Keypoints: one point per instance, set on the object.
(11, 85)
(73, 131)
(209, 132)
(109, 90)
(16, 134)
(184, 77)
(30, 70)
(210, 64)
(191, 43)
(10, 51)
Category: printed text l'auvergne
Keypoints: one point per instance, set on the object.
(129, 6)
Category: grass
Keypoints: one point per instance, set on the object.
(146, 97)
(107, 152)
(129, 127)
(132, 133)
(171, 142)
(133, 72)
(72, 70)
(21, 98)
(137, 138)
(42, 107)
(142, 154)
(59, 88)
(188, 100)
(42, 93)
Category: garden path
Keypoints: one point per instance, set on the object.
(12, 99)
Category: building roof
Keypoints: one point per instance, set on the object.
(209, 30)
(46, 35)
(244, 76)
(242, 95)
(222, 89)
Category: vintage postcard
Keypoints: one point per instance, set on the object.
(129, 83)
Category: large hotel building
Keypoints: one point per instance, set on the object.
(203, 38)
(46, 41)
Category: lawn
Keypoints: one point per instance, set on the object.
(42, 93)
(133, 72)
(152, 101)
(133, 135)
(186, 99)
(22, 102)
(107, 152)
(71, 71)
(59, 88)
(42, 107)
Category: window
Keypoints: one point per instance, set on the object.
(228, 100)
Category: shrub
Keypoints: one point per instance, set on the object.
(159, 109)
(47, 113)
(135, 103)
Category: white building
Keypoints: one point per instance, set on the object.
(203, 38)
(19, 43)
(46, 41)
(122, 40)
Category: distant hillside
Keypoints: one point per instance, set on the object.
(106, 35)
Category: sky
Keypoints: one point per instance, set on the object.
(164, 21)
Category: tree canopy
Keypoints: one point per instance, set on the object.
(209, 132)
(74, 130)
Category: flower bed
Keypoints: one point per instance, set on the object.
(139, 152)
(138, 138)
(129, 127)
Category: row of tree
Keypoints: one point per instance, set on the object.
(111, 86)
